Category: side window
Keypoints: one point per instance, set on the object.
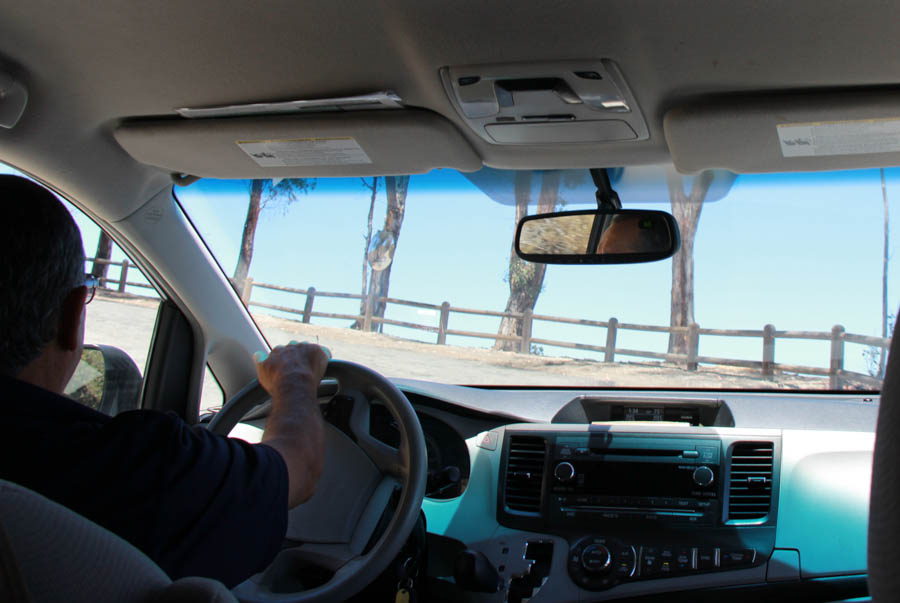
(119, 324)
(118, 327)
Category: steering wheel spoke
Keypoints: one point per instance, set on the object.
(388, 459)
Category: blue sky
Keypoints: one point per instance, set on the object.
(802, 252)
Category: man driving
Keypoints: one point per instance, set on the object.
(196, 503)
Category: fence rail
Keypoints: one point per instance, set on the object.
(122, 281)
(689, 358)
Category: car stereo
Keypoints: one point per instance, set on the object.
(599, 477)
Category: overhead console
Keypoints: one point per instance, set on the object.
(546, 103)
(643, 503)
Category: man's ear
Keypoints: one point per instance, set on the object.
(69, 336)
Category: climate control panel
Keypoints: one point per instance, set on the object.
(598, 563)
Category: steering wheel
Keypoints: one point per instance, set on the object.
(336, 530)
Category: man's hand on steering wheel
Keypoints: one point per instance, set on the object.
(291, 374)
(337, 529)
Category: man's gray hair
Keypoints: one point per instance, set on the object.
(43, 261)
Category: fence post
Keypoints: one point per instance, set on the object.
(247, 290)
(442, 323)
(123, 276)
(525, 346)
(837, 357)
(611, 332)
(367, 319)
(693, 346)
(307, 308)
(768, 361)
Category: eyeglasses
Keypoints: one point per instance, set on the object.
(91, 282)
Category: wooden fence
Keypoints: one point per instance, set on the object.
(122, 281)
(838, 377)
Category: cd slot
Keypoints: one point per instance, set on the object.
(635, 452)
(634, 510)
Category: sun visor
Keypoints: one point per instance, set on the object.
(361, 143)
(802, 132)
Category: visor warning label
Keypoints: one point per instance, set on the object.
(300, 152)
(858, 137)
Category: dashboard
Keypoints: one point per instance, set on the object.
(587, 496)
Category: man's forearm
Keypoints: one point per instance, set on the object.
(295, 429)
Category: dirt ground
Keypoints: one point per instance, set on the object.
(455, 364)
(128, 323)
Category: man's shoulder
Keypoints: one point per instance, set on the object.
(22, 402)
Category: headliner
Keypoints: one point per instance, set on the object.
(90, 66)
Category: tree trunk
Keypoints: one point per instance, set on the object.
(526, 279)
(246, 254)
(365, 263)
(397, 187)
(686, 209)
(104, 252)
(884, 276)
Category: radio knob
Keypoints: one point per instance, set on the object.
(703, 476)
(564, 472)
(596, 558)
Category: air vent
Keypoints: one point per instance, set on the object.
(524, 473)
(750, 487)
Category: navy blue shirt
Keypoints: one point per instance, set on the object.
(196, 503)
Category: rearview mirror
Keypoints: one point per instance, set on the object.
(623, 236)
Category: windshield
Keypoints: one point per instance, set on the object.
(782, 281)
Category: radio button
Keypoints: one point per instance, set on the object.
(564, 472)
(690, 454)
(703, 476)
(708, 454)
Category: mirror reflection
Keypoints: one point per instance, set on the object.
(620, 236)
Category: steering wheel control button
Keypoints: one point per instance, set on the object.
(564, 472)
(703, 476)
(596, 558)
